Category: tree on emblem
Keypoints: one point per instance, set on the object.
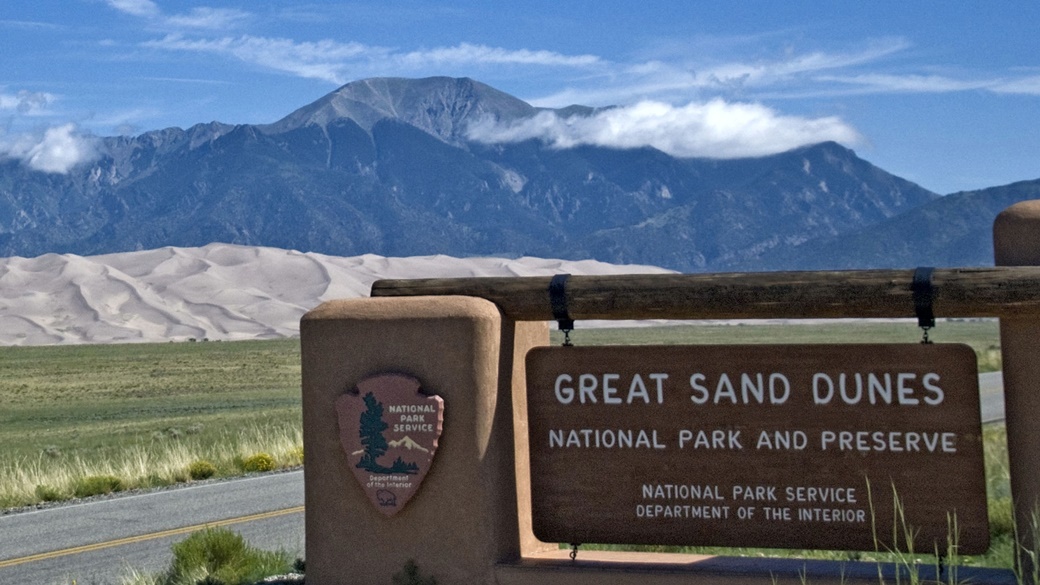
(372, 427)
(371, 433)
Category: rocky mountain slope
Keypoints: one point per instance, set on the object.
(955, 230)
(384, 166)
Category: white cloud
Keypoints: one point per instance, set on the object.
(796, 66)
(677, 81)
(595, 81)
(1029, 85)
(484, 55)
(909, 83)
(25, 102)
(57, 150)
(323, 60)
(338, 62)
(136, 7)
(30, 25)
(201, 17)
(211, 18)
(713, 129)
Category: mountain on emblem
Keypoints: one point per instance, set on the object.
(389, 431)
(409, 444)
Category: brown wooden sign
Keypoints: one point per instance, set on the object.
(786, 446)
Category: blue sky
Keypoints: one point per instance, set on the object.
(946, 94)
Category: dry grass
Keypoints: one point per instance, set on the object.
(163, 462)
(142, 413)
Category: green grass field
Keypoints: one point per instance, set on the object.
(110, 409)
(97, 399)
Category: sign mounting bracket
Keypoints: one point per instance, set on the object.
(558, 302)
(923, 293)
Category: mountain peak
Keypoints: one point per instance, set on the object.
(408, 443)
(441, 106)
(384, 166)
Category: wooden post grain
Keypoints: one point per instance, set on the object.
(959, 292)
(1016, 239)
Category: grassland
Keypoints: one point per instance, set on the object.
(142, 412)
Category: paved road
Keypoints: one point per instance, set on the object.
(95, 542)
(991, 395)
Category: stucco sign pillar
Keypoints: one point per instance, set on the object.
(450, 348)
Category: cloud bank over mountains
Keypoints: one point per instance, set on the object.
(53, 150)
(710, 129)
(704, 98)
(713, 129)
(900, 84)
(25, 102)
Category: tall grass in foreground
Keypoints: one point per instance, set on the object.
(162, 462)
(1028, 572)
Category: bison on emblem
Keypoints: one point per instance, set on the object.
(386, 498)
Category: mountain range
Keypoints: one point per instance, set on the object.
(391, 167)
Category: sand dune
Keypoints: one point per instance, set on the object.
(219, 291)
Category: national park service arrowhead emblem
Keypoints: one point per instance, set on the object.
(389, 430)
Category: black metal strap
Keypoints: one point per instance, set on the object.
(924, 294)
(558, 301)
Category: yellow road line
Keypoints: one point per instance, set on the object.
(144, 537)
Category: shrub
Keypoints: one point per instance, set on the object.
(94, 485)
(48, 493)
(221, 556)
(258, 462)
(158, 480)
(202, 469)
